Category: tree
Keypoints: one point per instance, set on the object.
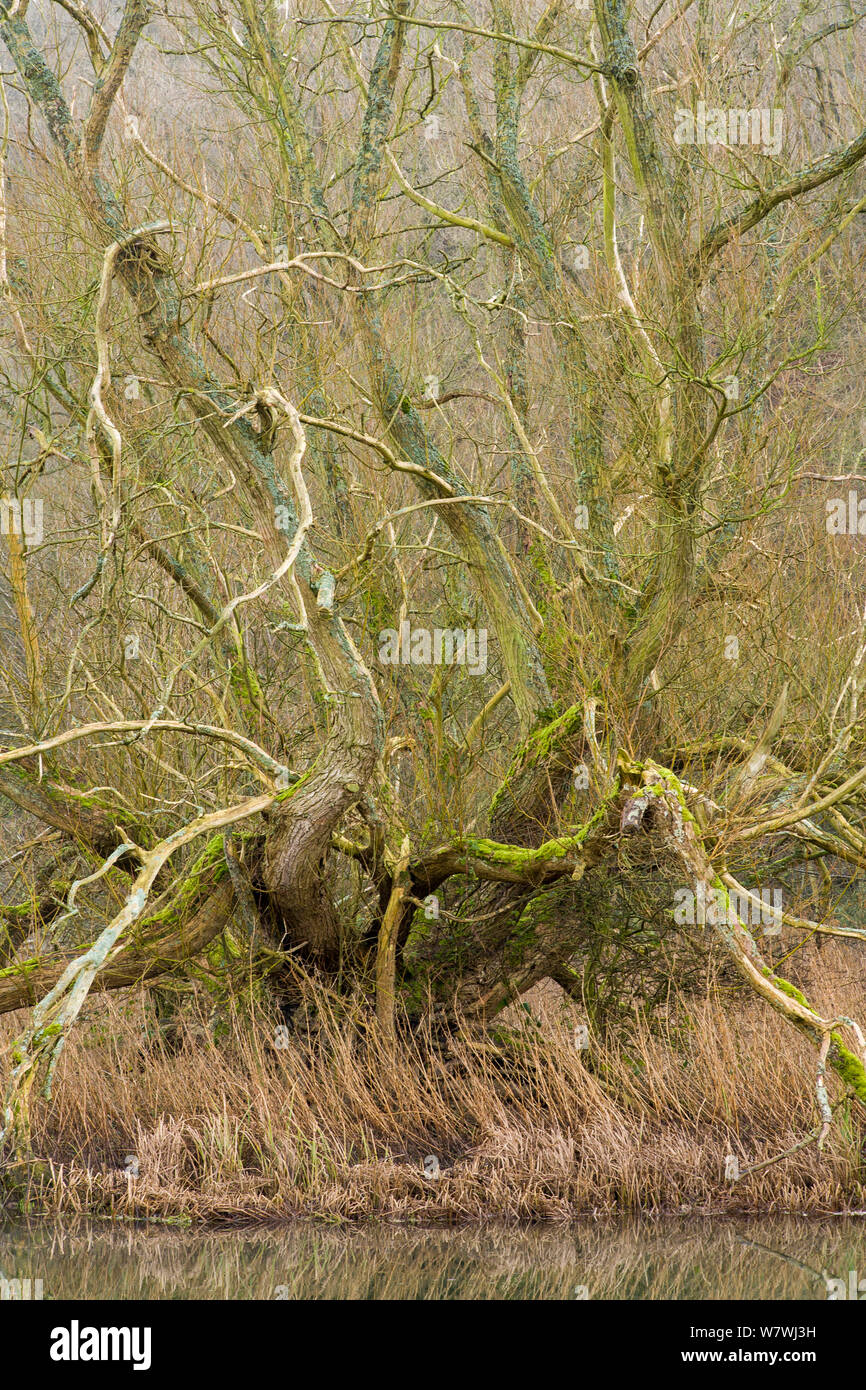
(443, 436)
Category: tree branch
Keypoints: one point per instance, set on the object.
(135, 16)
(813, 176)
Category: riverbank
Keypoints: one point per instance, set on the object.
(249, 1124)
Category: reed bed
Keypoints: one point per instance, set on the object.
(242, 1124)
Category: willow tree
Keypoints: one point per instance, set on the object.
(426, 407)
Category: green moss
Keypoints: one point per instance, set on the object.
(538, 747)
(520, 858)
(15, 911)
(222, 951)
(246, 688)
(541, 742)
(671, 781)
(210, 863)
(541, 565)
(23, 967)
(296, 786)
(849, 1068)
(787, 988)
(844, 1063)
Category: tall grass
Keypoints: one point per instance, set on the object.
(336, 1124)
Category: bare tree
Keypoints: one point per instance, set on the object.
(461, 418)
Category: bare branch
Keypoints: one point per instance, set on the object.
(135, 17)
(813, 176)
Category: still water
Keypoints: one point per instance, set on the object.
(660, 1259)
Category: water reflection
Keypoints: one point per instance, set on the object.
(664, 1259)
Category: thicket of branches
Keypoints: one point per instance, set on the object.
(321, 321)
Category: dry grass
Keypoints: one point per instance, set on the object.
(527, 1129)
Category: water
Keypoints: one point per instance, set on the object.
(763, 1258)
